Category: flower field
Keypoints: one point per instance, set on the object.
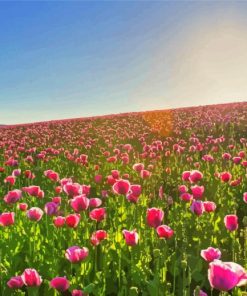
(151, 203)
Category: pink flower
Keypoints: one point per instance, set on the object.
(131, 237)
(77, 293)
(121, 187)
(201, 293)
(245, 197)
(136, 189)
(72, 189)
(85, 189)
(225, 276)
(58, 189)
(95, 202)
(111, 180)
(115, 174)
(98, 214)
(231, 222)
(209, 206)
(59, 221)
(51, 208)
(34, 191)
(35, 214)
(98, 178)
(236, 159)
(7, 219)
(226, 156)
(197, 191)
(57, 200)
(15, 282)
(154, 217)
(16, 173)
(210, 254)
(145, 174)
(53, 176)
(98, 236)
(72, 220)
(23, 206)
(197, 207)
(225, 177)
(195, 176)
(13, 196)
(61, 284)
(134, 193)
(186, 197)
(76, 254)
(31, 278)
(164, 231)
(182, 189)
(79, 203)
(29, 175)
(138, 167)
(10, 180)
(185, 175)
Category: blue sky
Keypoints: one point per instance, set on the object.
(75, 59)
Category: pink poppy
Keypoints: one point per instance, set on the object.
(164, 231)
(210, 254)
(131, 237)
(61, 284)
(225, 276)
(31, 278)
(231, 222)
(76, 254)
(154, 217)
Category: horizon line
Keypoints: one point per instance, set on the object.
(117, 114)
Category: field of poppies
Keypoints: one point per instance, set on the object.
(151, 203)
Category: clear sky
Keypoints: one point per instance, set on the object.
(75, 59)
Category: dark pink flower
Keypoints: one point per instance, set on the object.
(210, 254)
(76, 254)
(15, 282)
(31, 278)
(225, 177)
(185, 175)
(7, 218)
(61, 284)
(164, 231)
(13, 196)
(72, 189)
(231, 222)
(72, 220)
(121, 187)
(245, 197)
(79, 203)
(23, 206)
(145, 174)
(195, 176)
(95, 202)
(59, 221)
(35, 214)
(138, 167)
(131, 237)
(98, 236)
(10, 180)
(154, 217)
(98, 214)
(197, 191)
(209, 206)
(197, 207)
(225, 276)
(186, 197)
